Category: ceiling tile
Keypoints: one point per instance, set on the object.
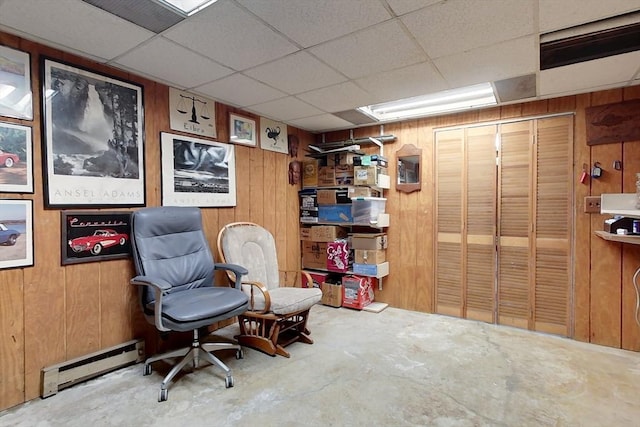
(400, 7)
(172, 63)
(509, 59)
(589, 75)
(324, 122)
(239, 90)
(230, 36)
(457, 26)
(318, 20)
(296, 73)
(414, 80)
(343, 96)
(556, 15)
(284, 109)
(376, 49)
(73, 25)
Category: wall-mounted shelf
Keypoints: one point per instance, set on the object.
(622, 238)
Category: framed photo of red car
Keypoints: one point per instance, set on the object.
(93, 137)
(94, 236)
(16, 233)
(16, 158)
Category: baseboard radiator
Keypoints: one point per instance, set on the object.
(66, 374)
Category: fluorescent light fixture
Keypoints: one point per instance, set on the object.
(480, 95)
(187, 7)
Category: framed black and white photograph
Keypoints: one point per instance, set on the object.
(192, 113)
(94, 236)
(197, 172)
(273, 136)
(16, 233)
(16, 158)
(242, 130)
(93, 137)
(15, 84)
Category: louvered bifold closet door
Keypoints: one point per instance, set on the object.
(479, 234)
(449, 267)
(553, 234)
(515, 206)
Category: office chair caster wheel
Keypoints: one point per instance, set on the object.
(228, 382)
(147, 370)
(240, 354)
(163, 396)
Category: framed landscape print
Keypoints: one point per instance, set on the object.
(197, 172)
(94, 236)
(192, 113)
(93, 138)
(16, 233)
(16, 158)
(273, 136)
(242, 130)
(15, 84)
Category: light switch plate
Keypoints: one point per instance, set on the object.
(592, 204)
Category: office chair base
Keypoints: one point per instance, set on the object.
(192, 355)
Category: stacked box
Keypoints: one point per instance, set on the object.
(372, 160)
(369, 256)
(338, 256)
(369, 241)
(366, 209)
(305, 234)
(333, 197)
(344, 158)
(317, 278)
(327, 176)
(344, 175)
(376, 270)
(314, 255)
(357, 291)
(332, 294)
(354, 192)
(327, 233)
(335, 213)
(368, 175)
(310, 173)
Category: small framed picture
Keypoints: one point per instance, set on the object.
(15, 84)
(16, 233)
(16, 158)
(197, 172)
(192, 113)
(242, 130)
(94, 236)
(273, 136)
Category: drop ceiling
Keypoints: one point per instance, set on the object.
(302, 61)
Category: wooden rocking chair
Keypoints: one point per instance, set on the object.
(277, 314)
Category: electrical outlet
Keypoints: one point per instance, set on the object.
(592, 204)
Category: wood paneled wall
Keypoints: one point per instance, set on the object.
(50, 313)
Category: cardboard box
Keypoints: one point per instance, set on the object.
(308, 198)
(332, 294)
(369, 241)
(305, 233)
(314, 255)
(317, 278)
(333, 197)
(309, 216)
(326, 176)
(338, 256)
(357, 291)
(372, 160)
(344, 175)
(327, 233)
(362, 192)
(368, 175)
(376, 270)
(335, 213)
(364, 256)
(340, 158)
(310, 173)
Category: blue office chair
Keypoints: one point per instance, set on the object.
(175, 272)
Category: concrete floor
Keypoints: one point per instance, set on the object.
(394, 368)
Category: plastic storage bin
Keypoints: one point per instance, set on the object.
(365, 210)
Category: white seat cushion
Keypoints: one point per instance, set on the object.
(288, 300)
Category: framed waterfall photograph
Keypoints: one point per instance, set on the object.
(197, 172)
(93, 138)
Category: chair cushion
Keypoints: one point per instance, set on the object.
(289, 300)
(200, 303)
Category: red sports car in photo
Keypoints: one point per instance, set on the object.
(8, 159)
(100, 239)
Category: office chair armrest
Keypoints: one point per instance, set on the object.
(236, 269)
(265, 293)
(159, 287)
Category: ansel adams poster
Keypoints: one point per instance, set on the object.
(93, 138)
(192, 113)
(196, 172)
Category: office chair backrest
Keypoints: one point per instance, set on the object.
(254, 248)
(169, 243)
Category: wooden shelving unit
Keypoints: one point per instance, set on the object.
(622, 238)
